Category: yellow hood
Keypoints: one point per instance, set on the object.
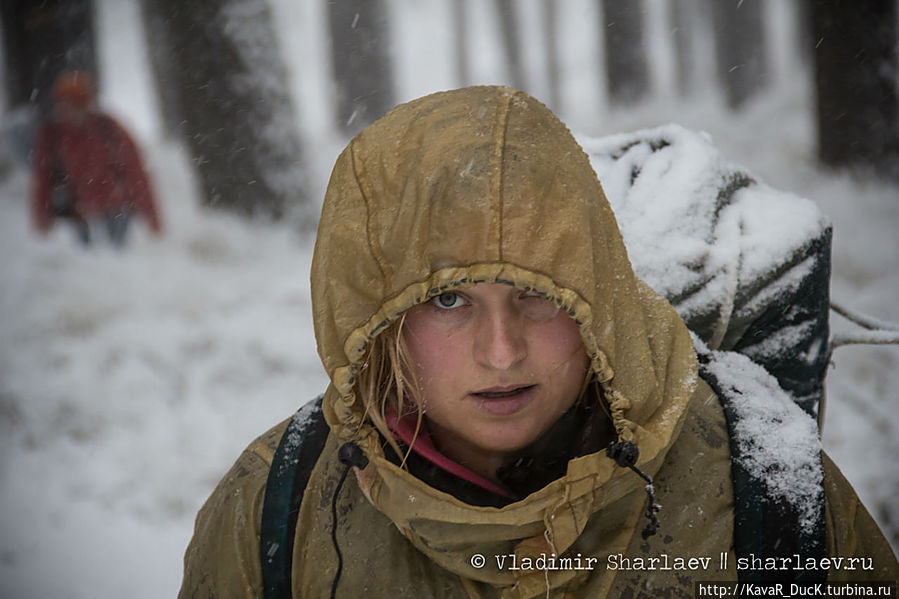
(485, 184)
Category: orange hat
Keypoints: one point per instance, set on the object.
(74, 87)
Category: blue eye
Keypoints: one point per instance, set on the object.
(448, 301)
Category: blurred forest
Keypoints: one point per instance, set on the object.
(222, 85)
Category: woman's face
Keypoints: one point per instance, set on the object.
(496, 367)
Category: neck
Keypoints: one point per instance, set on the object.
(480, 461)
(583, 429)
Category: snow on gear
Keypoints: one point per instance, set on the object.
(298, 450)
(746, 266)
(777, 473)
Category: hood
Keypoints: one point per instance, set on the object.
(485, 184)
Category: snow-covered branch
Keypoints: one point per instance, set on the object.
(863, 320)
(879, 332)
(866, 337)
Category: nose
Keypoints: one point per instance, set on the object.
(499, 339)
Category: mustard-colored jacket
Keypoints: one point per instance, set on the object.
(486, 185)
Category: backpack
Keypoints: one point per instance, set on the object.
(746, 266)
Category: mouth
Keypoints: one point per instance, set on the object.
(502, 392)
(504, 400)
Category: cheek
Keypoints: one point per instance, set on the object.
(434, 353)
(562, 341)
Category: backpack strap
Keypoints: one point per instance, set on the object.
(765, 525)
(296, 456)
(796, 320)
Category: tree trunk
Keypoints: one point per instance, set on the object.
(238, 121)
(626, 68)
(740, 48)
(805, 36)
(855, 77)
(682, 13)
(461, 43)
(359, 50)
(553, 64)
(507, 15)
(163, 64)
(42, 39)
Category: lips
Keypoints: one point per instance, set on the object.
(504, 400)
(501, 392)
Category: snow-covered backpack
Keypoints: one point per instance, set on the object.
(747, 267)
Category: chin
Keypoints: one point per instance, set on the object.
(505, 442)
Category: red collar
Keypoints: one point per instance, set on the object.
(424, 446)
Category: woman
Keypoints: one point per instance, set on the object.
(502, 385)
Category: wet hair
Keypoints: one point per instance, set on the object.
(387, 379)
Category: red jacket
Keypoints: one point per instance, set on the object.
(100, 165)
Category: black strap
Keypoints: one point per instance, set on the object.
(766, 526)
(299, 449)
(801, 361)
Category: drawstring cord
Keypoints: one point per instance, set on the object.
(350, 455)
(625, 454)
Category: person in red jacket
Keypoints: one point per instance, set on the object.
(86, 168)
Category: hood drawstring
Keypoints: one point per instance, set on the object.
(625, 454)
(350, 455)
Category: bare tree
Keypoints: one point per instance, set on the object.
(804, 35)
(237, 119)
(41, 39)
(855, 78)
(685, 26)
(460, 31)
(626, 67)
(359, 50)
(553, 64)
(508, 20)
(162, 62)
(739, 48)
